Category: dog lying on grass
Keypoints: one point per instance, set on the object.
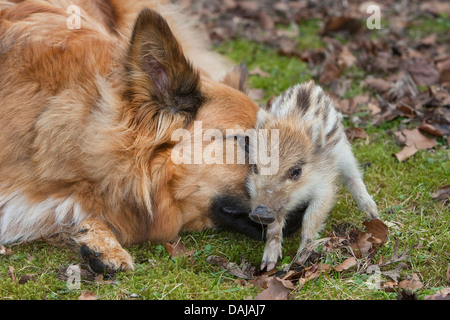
(87, 116)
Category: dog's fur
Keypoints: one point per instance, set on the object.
(313, 154)
(86, 118)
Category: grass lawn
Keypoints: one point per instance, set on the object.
(402, 191)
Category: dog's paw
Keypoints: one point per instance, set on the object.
(100, 248)
(106, 260)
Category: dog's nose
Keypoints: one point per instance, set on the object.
(262, 215)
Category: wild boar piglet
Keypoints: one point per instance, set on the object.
(307, 133)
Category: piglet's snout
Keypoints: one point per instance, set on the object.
(262, 215)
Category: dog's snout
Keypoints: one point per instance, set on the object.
(262, 215)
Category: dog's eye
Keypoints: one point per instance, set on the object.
(295, 173)
(255, 169)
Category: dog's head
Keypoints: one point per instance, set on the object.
(197, 126)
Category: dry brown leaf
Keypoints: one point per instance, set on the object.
(413, 140)
(435, 129)
(307, 274)
(316, 270)
(26, 277)
(443, 66)
(405, 153)
(378, 230)
(249, 5)
(346, 106)
(245, 270)
(412, 284)
(330, 72)
(266, 20)
(87, 295)
(261, 281)
(177, 249)
(423, 71)
(342, 23)
(390, 286)
(363, 243)
(373, 108)
(363, 246)
(276, 290)
(416, 138)
(347, 264)
(442, 195)
(11, 273)
(346, 58)
(355, 133)
(378, 84)
(429, 40)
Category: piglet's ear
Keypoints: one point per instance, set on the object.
(158, 70)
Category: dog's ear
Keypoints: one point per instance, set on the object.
(158, 71)
(237, 78)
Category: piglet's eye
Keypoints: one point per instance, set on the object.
(295, 173)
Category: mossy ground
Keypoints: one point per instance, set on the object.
(402, 191)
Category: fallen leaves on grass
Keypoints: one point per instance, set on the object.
(347, 264)
(414, 141)
(378, 230)
(364, 244)
(177, 249)
(413, 283)
(378, 84)
(276, 289)
(244, 270)
(276, 284)
(409, 76)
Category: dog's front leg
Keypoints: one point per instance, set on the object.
(100, 248)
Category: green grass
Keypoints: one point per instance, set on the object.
(424, 26)
(309, 35)
(402, 191)
(283, 71)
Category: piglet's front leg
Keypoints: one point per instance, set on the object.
(272, 250)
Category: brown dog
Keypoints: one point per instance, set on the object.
(87, 115)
